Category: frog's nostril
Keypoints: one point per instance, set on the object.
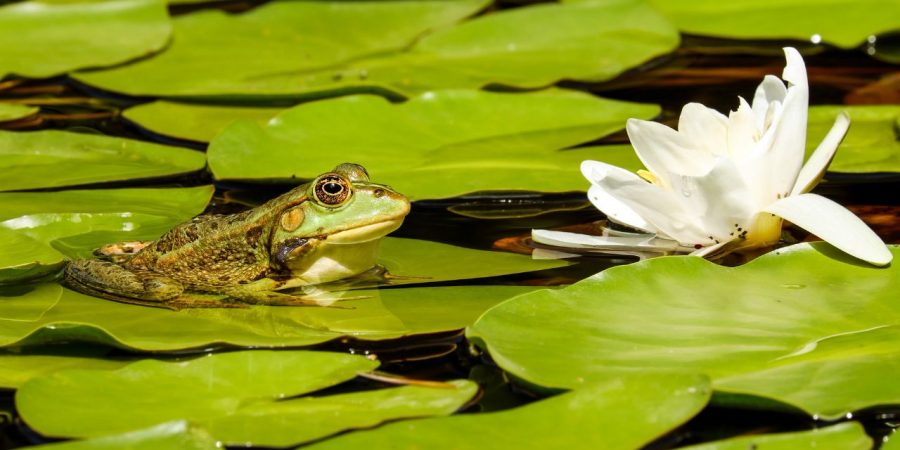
(378, 193)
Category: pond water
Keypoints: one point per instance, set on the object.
(702, 69)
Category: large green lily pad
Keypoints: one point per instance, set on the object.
(586, 42)
(87, 403)
(274, 424)
(170, 435)
(78, 221)
(15, 111)
(46, 39)
(438, 144)
(844, 436)
(283, 39)
(893, 442)
(52, 158)
(17, 366)
(48, 315)
(844, 23)
(805, 325)
(871, 145)
(24, 258)
(196, 122)
(622, 413)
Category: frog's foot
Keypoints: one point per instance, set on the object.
(120, 252)
(112, 281)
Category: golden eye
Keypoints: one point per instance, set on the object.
(331, 189)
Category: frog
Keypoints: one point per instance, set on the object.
(326, 230)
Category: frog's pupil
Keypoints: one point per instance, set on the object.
(332, 188)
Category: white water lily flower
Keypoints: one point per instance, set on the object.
(720, 184)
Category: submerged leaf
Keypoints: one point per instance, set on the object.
(43, 39)
(803, 325)
(51, 158)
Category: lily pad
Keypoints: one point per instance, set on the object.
(14, 111)
(379, 315)
(274, 424)
(844, 23)
(42, 159)
(621, 413)
(170, 435)
(47, 39)
(88, 403)
(24, 258)
(844, 436)
(804, 325)
(282, 39)
(28, 303)
(871, 145)
(76, 222)
(893, 442)
(438, 144)
(17, 367)
(195, 122)
(586, 42)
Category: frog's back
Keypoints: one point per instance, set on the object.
(211, 250)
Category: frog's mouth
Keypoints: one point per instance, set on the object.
(365, 233)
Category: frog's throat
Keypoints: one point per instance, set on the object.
(365, 233)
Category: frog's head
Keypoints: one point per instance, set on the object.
(334, 233)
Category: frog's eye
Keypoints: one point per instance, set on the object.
(332, 190)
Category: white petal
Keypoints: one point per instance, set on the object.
(789, 141)
(615, 243)
(795, 69)
(818, 162)
(719, 199)
(705, 128)
(661, 148)
(657, 206)
(545, 253)
(770, 90)
(617, 211)
(742, 131)
(834, 224)
(614, 209)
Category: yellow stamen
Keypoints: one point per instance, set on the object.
(647, 175)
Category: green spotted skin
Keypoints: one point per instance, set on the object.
(299, 238)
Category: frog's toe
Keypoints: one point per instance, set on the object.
(122, 248)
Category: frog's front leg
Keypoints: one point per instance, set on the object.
(112, 281)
